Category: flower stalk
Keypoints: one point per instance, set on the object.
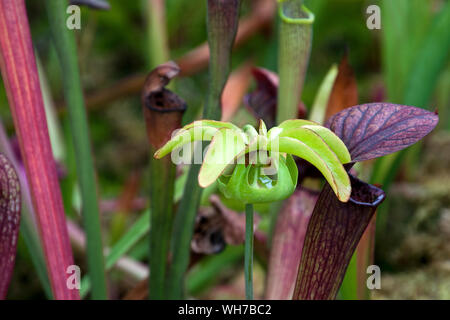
(222, 20)
(248, 252)
(250, 166)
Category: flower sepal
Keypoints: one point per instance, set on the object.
(250, 183)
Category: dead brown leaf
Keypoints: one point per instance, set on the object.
(345, 90)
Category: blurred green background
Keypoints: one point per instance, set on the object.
(391, 64)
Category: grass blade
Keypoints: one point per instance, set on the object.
(204, 275)
(431, 56)
(157, 34)
(323, 96)
(430, 61)
(64, 41)
(121, 247)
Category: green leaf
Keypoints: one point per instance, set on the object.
(295, 123)
(274, 132)
(330, 138)
(400, 53)
(204, 274)
(200, 130)
(333, 141)
(430, 61)
(224, 147)
(197, 133)
(319, 107)
(258, 143)
(211, 123)
(135, 233)
(250, 132)
(313, 149)
(262, 128)
(66, 49)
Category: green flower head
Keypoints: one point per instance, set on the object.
(257, 166)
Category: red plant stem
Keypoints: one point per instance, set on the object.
(20, 76)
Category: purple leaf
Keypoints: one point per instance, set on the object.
(376, 129)
(9, 221)
(262, 103)
(287, 243)
(333, 233)
(94, 4)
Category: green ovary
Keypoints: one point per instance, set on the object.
(249, 184)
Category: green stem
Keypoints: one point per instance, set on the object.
(222, 22)
(162, 173)
(182, 234)
(157, 33)
(248, 255)
(204, 275)
(295, 34)
(65, 45)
